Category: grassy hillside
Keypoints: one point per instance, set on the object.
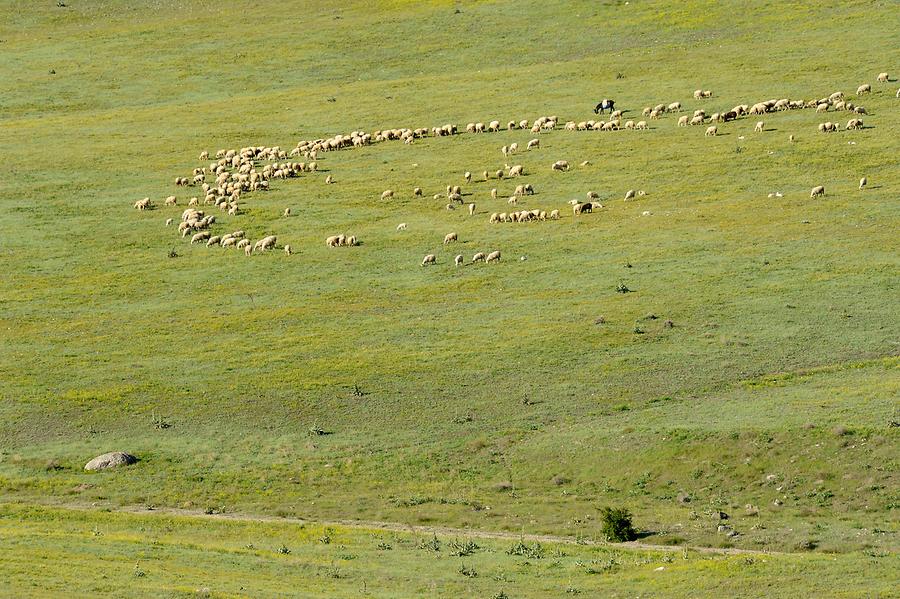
(178, 556)
(490, 396)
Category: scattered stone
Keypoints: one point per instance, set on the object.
(110, 460)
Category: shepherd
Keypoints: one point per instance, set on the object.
(603, 105)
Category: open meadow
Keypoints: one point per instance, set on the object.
(719, 355)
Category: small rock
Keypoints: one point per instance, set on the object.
(771, 477)
(778, 502)
(661, 568)
(110, 460)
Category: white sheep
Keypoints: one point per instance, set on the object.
(478, 257)
(683, 120)
(458, 260)
(471, 209)
(494, 194)
(882, 78)
(629, 195)
(288, 250)
(401, 227)
(429, 259)
(818, 190)
(468, 177)
(171, 201)
(168, 221)
(516, 170)
(513, 148)
(201, 236)
(388, 193)
(332, 241)
(417, 191)
(863, 182)
(287, 212)
(560, 165)
(230, 241)
(534, 143)
(711, 131)
(641, 125)
(863, 89)
(265, 243)
(554, 215)
(329, 180)
(449, 237)
(493, 257)
(759, 127)
(242, 243)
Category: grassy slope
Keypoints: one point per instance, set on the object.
(176, 556)
(103, 331)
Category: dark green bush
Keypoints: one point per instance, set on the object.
(617, 525)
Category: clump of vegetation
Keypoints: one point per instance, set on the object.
(503, 486)
(622, 288)
(467, 572)
(283, 550)
(463, 549)
(433, 544)
(560, 480)
(530, 551)
(616, 525)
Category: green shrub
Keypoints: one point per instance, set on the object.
(617, 525)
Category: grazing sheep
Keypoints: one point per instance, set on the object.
(629, 125)
(450, 237)
(401, 227)
(171, 201)
(587, 207)
(478, 256)
(560, 165)
(193, 202)
(882, 78)
(471, 209)
(458, 260)
(388, 193)
(417, 191)
(468, 177)
(248, 249)
(674, 106)
(499, 174)
(213, 240)
(495, 218)
(494, 194)
(168, 221)
(513, 200)
(288, 250)
(450, 207)
(455, 197)
(352, 241)
(242, 243)
(204, 155)
(287, 212)
(265, 243)
(711, 131)
(520, 190)
(854, 124)
(329, 180)
(534, 143)
(791, 138)
(143, 204)
(697, 120)
(429, 259)
(201, 236)
(493, 257)
(229, 241)
(863, 89)
(860, 110)
(591, 195)
(863, 182)
(683, 120)
(818, 190)
(332, 241)
(529, 189)
(516, 170)
(629, 195)
(642, 125)
(513, 148)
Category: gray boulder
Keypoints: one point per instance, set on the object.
(110, 460)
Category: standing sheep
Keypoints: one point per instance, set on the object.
(428, 259)
(417, 191)
(629, 195)
(863, 89)
(759, 127)
(554, 215)
(818, 190)
(449, 237)
(863, 182)
(494, 194)
(388, 193)
(493, 257)
(288, 250)
(458, 260)
(401, 227)
(168, 221)
(287, 212)
(534, 143)
(711, 131)
(468, 177)
(471, 209)
(560, 165)
(882, 78)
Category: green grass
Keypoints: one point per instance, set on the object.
(178, 556)
(479, 384)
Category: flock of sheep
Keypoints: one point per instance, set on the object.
(227, 180)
